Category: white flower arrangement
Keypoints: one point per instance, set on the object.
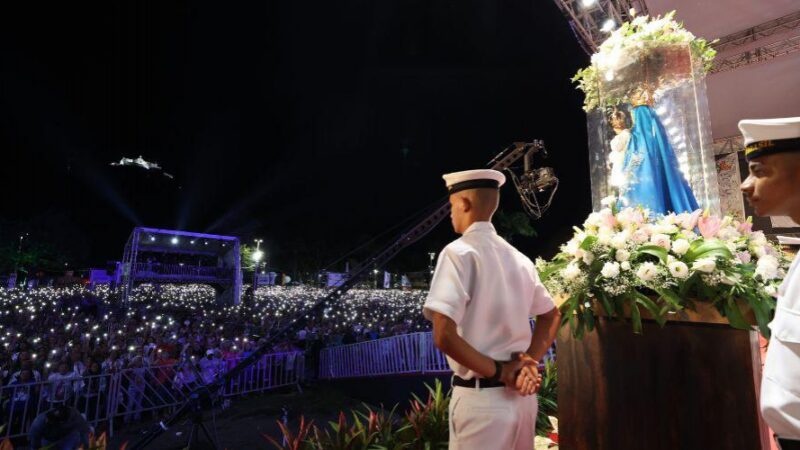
(664, 265)
(628, 43)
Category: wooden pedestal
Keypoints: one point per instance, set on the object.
(684, 387)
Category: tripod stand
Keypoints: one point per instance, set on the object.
(197, 426)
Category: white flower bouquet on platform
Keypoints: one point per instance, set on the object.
(625, 260)
(630, 44)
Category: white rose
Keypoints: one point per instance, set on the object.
(758, 238)
(767, 267)
(571, 248)
(622, 255)
(678, 269)
(680, 246)
(665, 228)
(626, 265)
(571, 271)
(620, 240)
(588, 257)
(706, 265)
(593, 220)
(647, 271)
(640, 236)
(610, 270)
(661, 240)
(604, 236)
(728, 234)
(760, 251)
(771, 290)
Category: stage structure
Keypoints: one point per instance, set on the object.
(160, 256)
(591, 20)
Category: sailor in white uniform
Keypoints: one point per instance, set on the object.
(772, 148)
(482, 295)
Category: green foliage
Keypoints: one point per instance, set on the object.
(548, 399)
(513, 224)
(638, 38)
(425, 426)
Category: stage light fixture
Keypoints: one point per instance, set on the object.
(174, 241)
(588, 3)
(608, 26)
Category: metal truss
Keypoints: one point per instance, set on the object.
(757, 55)
(586, 18)
(766, 29)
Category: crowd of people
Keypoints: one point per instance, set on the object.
(71, 338)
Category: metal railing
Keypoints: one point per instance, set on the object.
(129, 393)
(403, 354)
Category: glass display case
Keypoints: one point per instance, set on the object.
(649, 131)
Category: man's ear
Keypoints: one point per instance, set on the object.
(464, 203)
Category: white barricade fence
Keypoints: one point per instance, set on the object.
(22, 402)
(396, 355)
(402, 354)
(129, 393)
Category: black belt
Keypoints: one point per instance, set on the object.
(788, 444)
(458, 381)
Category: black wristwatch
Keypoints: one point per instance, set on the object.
(498, 369)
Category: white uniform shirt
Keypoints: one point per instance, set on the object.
(490, 290)
(780, 387)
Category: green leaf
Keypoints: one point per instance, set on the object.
(654, 250)
(587, 243)
(636, 317)
(711, 248)
(588, 317)
(568, 309)
(734, 315)
(606, 304)
(651, 307)
(552, 268)
(762, 308)
(670, 297)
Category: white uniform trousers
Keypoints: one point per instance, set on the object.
(780, 388)
(495, 418)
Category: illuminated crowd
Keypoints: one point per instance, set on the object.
(48, 334)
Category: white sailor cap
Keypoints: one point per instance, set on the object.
(473, 179)
(767, 136)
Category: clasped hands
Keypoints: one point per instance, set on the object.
(521, 373)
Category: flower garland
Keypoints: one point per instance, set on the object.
(630, 258)
(628, 42)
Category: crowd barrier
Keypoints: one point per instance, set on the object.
(130, 393)
(403, 354)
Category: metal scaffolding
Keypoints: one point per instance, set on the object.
(766, 29)
(588, 17)
(757, 55)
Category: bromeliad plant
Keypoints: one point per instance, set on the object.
(630, 259)
(425, 425)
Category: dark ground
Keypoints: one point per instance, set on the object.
(241, 426)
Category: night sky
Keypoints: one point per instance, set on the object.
(309, 124)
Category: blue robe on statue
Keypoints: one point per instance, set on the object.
(655, 180)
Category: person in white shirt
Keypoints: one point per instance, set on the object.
(772, 149)
(482, 294)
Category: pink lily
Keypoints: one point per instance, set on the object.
(709, 225)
